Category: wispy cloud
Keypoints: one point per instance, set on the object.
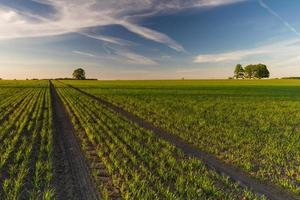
(122, 55)
(75, 15)
(108, 39)
(153, 35)
(136, 58)
(282, 58)
(275, 14)
(83, 53)
(230, 56)
(277, 51)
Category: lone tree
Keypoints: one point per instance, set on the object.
(239, 71)
(79, 74)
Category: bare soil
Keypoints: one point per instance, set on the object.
(270, 190)
(72, 176)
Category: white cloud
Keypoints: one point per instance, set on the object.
(83, 53)
(230, 56)
(283, 59)
(153, 35)
(273, 53)
(137, 59)
(121, 55)
(108, 39)
(75, 15)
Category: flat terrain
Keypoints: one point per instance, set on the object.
(250, 124)
(213, 139)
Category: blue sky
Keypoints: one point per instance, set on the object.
(147, 39)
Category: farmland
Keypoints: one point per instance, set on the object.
(81, 139)
(26, 167)
(250, 124)
(140, 165)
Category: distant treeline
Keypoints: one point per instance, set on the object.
(291, 77)
(58, 79)
(75, 79)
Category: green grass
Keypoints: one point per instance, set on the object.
(140, 164)
(184, 83)
(26, 140)
(23, 83)
(252, 124)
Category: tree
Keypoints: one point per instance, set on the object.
(257, 71)
(249, 71)
(261, 71)
(79, 74)
(239, 71)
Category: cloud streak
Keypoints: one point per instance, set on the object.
(136, 58)
(230, 56)
(153, 35)
(282, 58)
(75, 15)
(120, 55)
(278, 51)
(275, 14)
(109, 39)
(83, 53)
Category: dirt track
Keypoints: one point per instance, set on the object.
(269, 190)
(72, 177)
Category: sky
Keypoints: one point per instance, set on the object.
(147, 39)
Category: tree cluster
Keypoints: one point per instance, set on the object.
(251, 71)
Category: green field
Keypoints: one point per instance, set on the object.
(250, 125)
(141, 165)
(26, 140)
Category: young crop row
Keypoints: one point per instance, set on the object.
(255, 128)
(139, 165)
(26, 144)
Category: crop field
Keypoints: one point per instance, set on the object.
(253, 125)
(185, 139)
(140, 165)
(26, 168)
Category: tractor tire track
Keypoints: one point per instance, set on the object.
(270, 190)
(72, 176)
